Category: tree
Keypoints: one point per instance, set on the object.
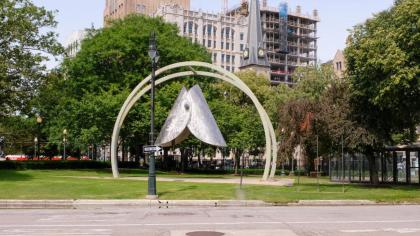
(297, 124)
(237, 116)
(383, 56)
(93, 85)
(25, 43)
(383, 65)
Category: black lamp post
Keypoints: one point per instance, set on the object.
(35, 147)
(154, 56)
(64, 143)
(283, 173)
(39, 122)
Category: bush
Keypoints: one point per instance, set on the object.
(42, 165)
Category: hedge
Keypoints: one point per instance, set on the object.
(41, 165)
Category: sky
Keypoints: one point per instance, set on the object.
(337, 16)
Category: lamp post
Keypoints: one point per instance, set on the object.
(154, 56)
(39, 122)
(283, 173)
(64, 143)
(90, 150)
(35, 147)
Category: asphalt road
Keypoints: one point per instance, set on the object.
(265, 221)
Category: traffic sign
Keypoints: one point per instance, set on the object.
(150, 149)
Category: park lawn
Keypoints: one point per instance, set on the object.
(56, 184)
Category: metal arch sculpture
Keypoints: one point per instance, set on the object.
(143, 87)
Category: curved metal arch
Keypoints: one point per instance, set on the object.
(138, 92)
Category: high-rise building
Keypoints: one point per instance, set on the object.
(224, 36)
(117, 9)
(289, 37)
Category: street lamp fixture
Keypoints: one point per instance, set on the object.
(154, 57)
(64, 143)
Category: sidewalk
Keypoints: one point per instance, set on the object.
(246, 180)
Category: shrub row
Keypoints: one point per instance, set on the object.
(40, 165)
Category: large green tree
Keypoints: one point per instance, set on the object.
(89, 89)
(25, 43)
(383, 65)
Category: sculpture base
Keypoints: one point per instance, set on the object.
(152, 197)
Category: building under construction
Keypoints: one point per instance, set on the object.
(290, 38)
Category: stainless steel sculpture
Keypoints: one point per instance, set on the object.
(217, 72)
(190, 115)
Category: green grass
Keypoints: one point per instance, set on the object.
(56, 184)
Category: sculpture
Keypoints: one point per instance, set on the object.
(190, 115)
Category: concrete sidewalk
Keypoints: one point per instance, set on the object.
(80, 204)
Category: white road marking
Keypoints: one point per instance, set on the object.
(395, 230)
(208, 223)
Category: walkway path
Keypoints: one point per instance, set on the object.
(236, 180)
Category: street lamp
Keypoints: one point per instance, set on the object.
(154, 56)
(35, 147)
(39, 122)
(90, 150)
(283, 173)
(64, 143)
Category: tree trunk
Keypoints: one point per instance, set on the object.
(184, 159)
(123, 151)
(373, 168)
(237, 160)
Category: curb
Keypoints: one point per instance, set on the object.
(333, 203)
(36, 204)
(83, 204)
(80, 204)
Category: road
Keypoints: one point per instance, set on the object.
(262, 221)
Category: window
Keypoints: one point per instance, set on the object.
(221, 45)
(223, 58)
(242, 47)
(233, 59)
(227, 46)
(228, 58)
(227, 32)
(233, 47)
(209, 29)
(241, 36)
(209, 43)
(190, 27)
(140, 8)
(339, 65)
(228, 68)
(215, 57)
(214, 44)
